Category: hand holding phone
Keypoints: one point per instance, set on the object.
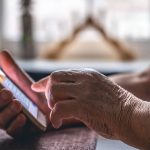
(30, 109)
(22, 81)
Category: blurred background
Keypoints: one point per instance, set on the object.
(44, 35)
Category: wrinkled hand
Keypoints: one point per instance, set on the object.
(90, 97)
(11, 117)
(137, 83)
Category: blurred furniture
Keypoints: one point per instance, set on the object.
(122, 52)
(106, 48)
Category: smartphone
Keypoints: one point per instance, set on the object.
(30, 109)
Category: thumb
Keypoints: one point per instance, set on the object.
(65, 110)
(40, 86)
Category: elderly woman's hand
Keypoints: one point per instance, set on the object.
(90, 97)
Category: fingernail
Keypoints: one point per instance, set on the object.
(33, 86)
(57, 125)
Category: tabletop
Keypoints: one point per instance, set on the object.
(65, 139)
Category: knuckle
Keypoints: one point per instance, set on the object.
(54, 75)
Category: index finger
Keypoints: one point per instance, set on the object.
(40, 86)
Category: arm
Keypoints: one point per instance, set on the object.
(137, 83)
(140, 126)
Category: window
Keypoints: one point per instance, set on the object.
(122, 18)
(128, 19)
(55, 19)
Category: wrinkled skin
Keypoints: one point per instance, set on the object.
(11, 117)
(92, 98)
(101, 104)
(137, 83)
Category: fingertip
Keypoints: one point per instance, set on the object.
(33, 86)
(37, 87)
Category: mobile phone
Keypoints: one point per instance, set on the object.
(29, 108)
